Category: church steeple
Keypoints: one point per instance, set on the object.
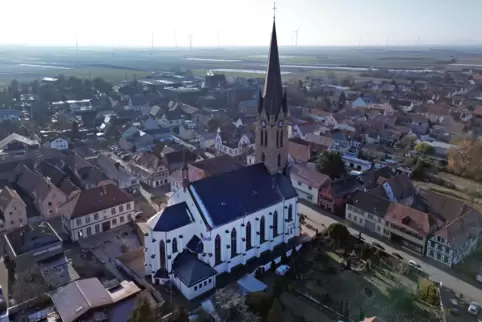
(272, 98)
(271, 130)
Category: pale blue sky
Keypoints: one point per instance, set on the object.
(242, 22)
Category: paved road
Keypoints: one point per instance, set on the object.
(318, 218)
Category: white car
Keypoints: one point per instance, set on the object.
(474, 308)
(414, 264)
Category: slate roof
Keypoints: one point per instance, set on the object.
(191, 270)
(31, 237)
(218, 165)
(235, 194)
(195, 245)
(369, 203)
(95, 199)
(173, 217)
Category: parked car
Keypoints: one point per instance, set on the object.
(415, 265)
(397, 255)
(474, 308)
(378, 245)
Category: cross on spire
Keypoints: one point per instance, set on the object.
(274, 10)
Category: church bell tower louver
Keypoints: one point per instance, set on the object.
(271, 128)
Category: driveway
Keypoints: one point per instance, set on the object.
(319, 218)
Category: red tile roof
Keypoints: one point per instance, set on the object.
(95, 199)
(408, 218)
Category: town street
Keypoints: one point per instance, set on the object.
(320, 219)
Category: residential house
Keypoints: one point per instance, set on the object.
(300, 130)
(172, 117)
(149, 168)
(326, 118)
(459, 231)
(385, 109)
(58, 143)
(203, 169)
(298, 151)
(56, 176)
(187, 130)
(319, 143)
(45, 195)
(32, 243)
(89, 300)
(137, 141)
(118, 174)
(398, 188)
(15, 143)
(368, 211)
(9, 115)
(356, 163)
(307, 182)
(410, 227)
(333, 193)
(13, 210)
(95, 210)
(175, 160)
(233, 144)
(360, 102)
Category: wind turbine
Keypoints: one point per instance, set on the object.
(190, 41)
(295, 34)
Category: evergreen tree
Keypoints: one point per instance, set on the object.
(142, 312)
(342, 101)
(276, 313)
(74, 134)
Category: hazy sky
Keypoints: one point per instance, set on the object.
(239, 22)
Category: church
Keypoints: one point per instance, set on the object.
(243, 216)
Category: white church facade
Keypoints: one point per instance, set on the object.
(213, 225)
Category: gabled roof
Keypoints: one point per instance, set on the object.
(369, 203)
(7, 195)
(218, 165)
(92, 200)
(32, 183)
(310, 177)
(463, 228)
(14, 137)
(171, 218)
(409, 218)
(235, 194)
(191, 270)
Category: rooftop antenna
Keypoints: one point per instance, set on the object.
(190, 41)
(274, 10)
(175, 37)
(295, 33)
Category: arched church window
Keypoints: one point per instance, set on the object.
(275, 224)
(277, 139)
(162, 254)
(248, 236)
(290, 213)
(279, 159)
(262, 228)
(262, 157)
(280, 138)
(217, 250)
(234, 250)
(265, 138)
(262, 137)
(174, 245)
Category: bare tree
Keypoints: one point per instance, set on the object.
(232, 306)
(29, 284)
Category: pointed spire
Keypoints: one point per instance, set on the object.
(273, 86)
